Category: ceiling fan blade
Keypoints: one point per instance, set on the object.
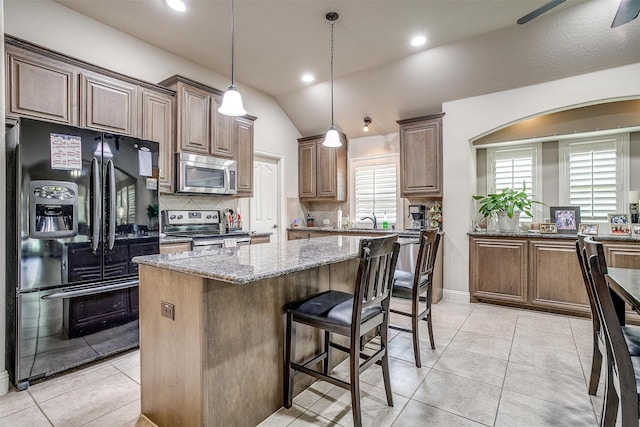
(627, 12)
(539, 11)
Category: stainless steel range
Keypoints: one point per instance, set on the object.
(203, 226)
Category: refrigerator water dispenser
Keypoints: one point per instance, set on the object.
(53, 209)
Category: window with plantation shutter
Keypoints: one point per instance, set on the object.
(511, 168)
(375, 189)
(592, 176)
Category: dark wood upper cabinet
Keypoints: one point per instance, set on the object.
(108, 104)
(421, 156)
(40, 88)
(322, 171)
(157, 125)
(202, 129)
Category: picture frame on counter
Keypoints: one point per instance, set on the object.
(636, 230)
(548, 228)
(619, 223)
(590, 228)
(566, 218)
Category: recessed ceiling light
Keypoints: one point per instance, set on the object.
(308, 78)
(177, 5)
(418, 41)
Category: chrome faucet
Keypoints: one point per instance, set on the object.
(374, 220)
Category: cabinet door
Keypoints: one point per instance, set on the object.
(307, 170)
(222, 138)
(622, 255)
(498, 270)
(108, 104)
(194, 121)
(157, 125)
(243, 142)
(41, 89)
(172, 248)
(421, 158)
(555, 277)
(326, 171)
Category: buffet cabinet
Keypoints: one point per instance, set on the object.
(536, 272)
(322, 171)
(421, 156)
(46, 85)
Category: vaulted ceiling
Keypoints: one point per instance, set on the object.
(475, 47)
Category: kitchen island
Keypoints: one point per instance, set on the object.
(211, 326)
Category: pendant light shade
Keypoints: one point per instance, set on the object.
(232, 101)
(333, 138)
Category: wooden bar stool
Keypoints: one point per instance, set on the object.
(418, 286)
(349, 315)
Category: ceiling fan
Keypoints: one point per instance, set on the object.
(627, 12)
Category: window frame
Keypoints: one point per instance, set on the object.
(382, 159)
(536, 171)
(621, 142)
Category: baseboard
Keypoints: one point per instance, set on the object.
(455, 296)
(4, 383)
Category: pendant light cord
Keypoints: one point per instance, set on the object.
(332, 23)
(233, 39)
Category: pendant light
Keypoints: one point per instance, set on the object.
(232, 101)
(333, 138)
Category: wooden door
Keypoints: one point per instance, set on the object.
(307, 170)
(421, 157)
(194, 119)
(107, 104)
(555, 277)
(41, 89)
(157, 125)
(222, 127)
(498, 270)
(243, 142)
(326, 171)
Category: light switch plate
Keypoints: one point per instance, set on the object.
(167, 310)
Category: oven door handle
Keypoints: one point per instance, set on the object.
(95, 196)
(79, 292)
(111, 219)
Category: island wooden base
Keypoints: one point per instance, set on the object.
(220, 361)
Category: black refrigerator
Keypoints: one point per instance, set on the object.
(80, 205)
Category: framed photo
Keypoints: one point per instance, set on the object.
(588, 228)
(636, 230)
(619, 223)
(566, 218)
(548, 228)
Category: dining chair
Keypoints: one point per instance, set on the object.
(623, 371)
(348, 315)
(418, 286)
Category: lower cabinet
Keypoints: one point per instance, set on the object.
(523, 272)
(538, 273)
(171, 248)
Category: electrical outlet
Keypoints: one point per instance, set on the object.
(167, 310)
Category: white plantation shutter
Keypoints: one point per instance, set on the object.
(513, 166)
(376, 190)
(593, 173)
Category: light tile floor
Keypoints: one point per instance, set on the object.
(492, 366)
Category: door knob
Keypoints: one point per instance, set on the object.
(275, 225)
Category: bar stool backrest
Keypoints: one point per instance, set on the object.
(426, 260)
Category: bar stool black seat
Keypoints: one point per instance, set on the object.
(349, 315)
(418, 286)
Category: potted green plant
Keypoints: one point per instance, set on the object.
(507, 206)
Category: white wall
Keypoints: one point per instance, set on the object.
(54, 26)
(465, 119)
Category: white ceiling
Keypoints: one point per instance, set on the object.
(474, 47)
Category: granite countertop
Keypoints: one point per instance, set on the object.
(250, 263)
(530, 235)
(357, 231)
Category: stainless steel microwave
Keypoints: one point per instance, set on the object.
(205, 174)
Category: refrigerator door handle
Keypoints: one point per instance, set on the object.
(112, 204)
(95, 200)
(90, 290)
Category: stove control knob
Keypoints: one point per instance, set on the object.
(209, 217)
(179, 216)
